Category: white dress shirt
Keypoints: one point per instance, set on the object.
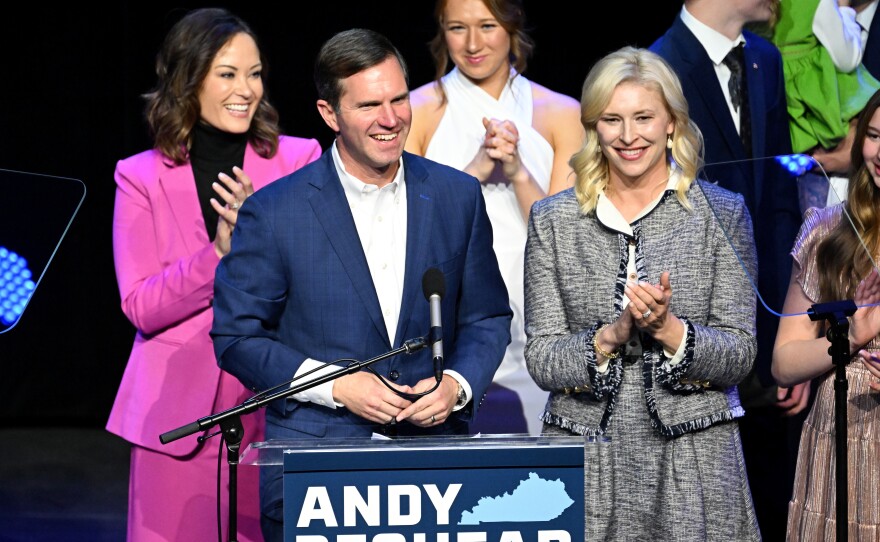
(838, 31)
(380, 218)
(717, 45)
(864, 18)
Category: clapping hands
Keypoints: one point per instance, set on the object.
(232, 192)
(499, 146)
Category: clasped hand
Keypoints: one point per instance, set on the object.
(648, 311)
(865, 323)
(499, 146)
(232, 192)
(365, 396)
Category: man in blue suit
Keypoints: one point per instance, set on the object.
(696, 46)
(327, 265)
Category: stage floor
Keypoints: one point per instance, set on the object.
(63, 485)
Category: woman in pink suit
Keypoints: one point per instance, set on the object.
(216, 141)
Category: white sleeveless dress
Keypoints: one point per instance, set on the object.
(456, 141)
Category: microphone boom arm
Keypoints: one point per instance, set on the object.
(259, 400)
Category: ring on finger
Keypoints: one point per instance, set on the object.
(646, 314)
(433, 419)
(235, 205)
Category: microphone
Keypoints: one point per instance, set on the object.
(434, 288)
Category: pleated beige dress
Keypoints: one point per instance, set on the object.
(812, 510)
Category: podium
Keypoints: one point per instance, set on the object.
(503, 488)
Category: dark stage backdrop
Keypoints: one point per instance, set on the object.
(71, 91)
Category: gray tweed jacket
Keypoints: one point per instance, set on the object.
(575, 271)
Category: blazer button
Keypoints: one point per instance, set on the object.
(393, 376)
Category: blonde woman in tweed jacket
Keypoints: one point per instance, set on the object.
(640, 317)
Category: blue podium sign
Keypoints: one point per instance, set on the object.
(450, 489)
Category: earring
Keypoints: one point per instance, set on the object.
(669, 142)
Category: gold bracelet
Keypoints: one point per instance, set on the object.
(601, 351)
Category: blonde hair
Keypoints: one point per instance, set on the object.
(642, 67)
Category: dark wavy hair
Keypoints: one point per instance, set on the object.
(841, 260)
(183, 62)
(512, 18)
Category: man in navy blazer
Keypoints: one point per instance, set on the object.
(771, 196)
(694, 46)
(327, 265)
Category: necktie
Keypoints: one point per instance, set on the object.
(739, 96)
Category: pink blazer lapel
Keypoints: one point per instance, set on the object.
(260, 170)
(179, 187)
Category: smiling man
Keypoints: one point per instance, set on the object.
(327, 266)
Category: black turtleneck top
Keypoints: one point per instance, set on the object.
(213, 151)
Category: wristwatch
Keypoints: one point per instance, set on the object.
(462, 396)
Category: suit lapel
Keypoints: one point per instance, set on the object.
(757, 111)
(260, 170)
(757, 103)
(179, 186)
(700, 69)
(420, 206)
(334, 215)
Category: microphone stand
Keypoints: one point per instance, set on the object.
(233, 430)
(836, 313)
